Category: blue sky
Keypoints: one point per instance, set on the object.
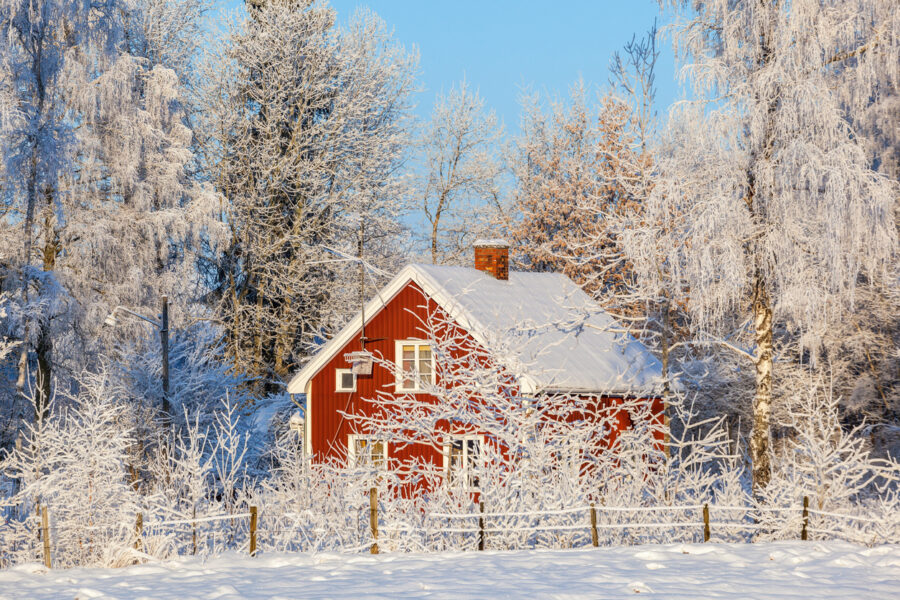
(503, 46)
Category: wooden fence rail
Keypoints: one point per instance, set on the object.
(484, 519)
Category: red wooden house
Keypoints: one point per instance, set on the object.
(562, 342)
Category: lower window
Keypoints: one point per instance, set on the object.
(462, 459)
(364, 451)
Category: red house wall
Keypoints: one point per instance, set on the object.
(401, 319)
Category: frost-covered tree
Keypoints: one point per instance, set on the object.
(458, 180)
(9, 423)
(833, 466)
(44, 45)
(766, 206)
(200, 377)
(73, 462)
(573, 165)
(169, 33)
(104, 199)
(304, 132)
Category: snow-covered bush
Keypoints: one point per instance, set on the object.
(310, 507)
(833, 467)
(74, 463)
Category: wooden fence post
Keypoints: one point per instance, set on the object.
(138, 531)
(595, 540)
(253, 516)
(706, 522)
(194, 529)
(373, 517)
(481, 526)
(803, 532)
(45, 528)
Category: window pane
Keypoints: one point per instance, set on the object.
(359, 451)
(425, 371)
(456, 454)
(456, 457)
(473, 450)
(347, 380)
(408, 365)
(378, 454)
(425, 364)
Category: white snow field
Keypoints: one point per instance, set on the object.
(762, 571)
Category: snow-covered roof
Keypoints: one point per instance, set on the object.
(554, 336)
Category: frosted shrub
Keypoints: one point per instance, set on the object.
(834, 468)
(310, 507)
(73, 462)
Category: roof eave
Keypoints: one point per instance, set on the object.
(633, 393)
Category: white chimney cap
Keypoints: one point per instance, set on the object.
(492, 243)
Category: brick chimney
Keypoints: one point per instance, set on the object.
(492, 256)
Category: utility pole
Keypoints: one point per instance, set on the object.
(164, 339)
(163, 326)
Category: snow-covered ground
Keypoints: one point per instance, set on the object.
(808, 570)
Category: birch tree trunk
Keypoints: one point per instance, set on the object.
(762, 400)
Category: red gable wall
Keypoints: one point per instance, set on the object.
(400, 319)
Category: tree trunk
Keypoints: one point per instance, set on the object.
(37, 72)
(434, 234)
(762, 304)
(44, 347)
(44, 374)
(665, 374)
(762, 401)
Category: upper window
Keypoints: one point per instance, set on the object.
(367, 452)
(416, 363)
(345, 380)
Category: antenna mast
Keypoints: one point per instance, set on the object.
(362, 281)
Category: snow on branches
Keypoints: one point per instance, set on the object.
(767, 205)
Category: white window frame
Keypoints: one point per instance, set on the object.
(338, 380)
(464, 438)
(351, 450)
(398, 361)
(571, 455)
